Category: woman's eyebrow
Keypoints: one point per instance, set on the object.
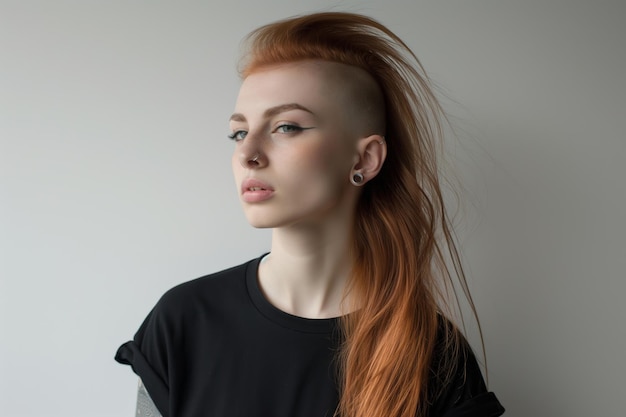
(272, 111)
(237, 117)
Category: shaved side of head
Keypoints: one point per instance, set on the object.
(362, 97)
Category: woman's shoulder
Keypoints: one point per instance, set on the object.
(211, 289)
(457, 386)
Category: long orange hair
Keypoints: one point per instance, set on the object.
(404, 252)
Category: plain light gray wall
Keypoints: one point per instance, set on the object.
(115, 184)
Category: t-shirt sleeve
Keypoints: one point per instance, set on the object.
(465, 393)
(147, 354)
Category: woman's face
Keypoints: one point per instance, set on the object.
(295, 145)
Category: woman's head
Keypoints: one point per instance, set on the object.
(386, 87)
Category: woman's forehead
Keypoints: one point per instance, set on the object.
(310, 83)
(311, 79)
(302, 75)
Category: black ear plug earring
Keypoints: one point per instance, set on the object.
(357, 179)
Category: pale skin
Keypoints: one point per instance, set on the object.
(301, 131)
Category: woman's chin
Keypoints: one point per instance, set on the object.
(261, 222)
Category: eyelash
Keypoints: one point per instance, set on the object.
(293, 129)
(235, 135)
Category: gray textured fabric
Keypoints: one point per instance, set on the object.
(145, 405)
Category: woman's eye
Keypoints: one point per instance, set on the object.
(286, 128)
(238, 135)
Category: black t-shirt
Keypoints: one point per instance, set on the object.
(215, 346)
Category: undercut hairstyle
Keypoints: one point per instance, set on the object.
(406, 267)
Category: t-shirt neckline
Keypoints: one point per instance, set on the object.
(278, 316)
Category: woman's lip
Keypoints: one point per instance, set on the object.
(254, 191)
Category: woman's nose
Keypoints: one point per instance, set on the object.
(251, 161)
(252, 155)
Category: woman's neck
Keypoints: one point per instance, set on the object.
(307, 270)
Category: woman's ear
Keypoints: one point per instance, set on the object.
(371, 154)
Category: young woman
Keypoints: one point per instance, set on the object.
(335, 134)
